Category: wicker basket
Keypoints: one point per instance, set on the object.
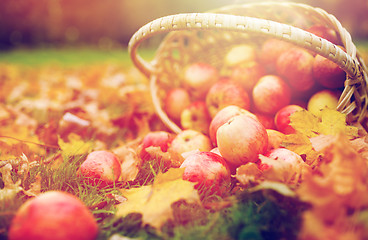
(207, 36)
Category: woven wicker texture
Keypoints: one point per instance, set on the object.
(206, 37)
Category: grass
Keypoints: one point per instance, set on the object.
(70, 56)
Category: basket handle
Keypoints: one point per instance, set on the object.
(228, 22)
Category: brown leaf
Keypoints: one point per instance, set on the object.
(130, 162)
(339, 187)
(248, 173)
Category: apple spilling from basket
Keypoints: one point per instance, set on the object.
(229, 119)
(244, 107)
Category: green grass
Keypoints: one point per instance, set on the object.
(70, 56)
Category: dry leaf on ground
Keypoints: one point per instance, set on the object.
(154, 201)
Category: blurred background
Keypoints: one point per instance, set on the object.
(111, 23)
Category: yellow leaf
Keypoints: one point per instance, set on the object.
(334, 123)
(309, 126)
(75, 146)
(305, 122)
(154, 201)
(281, 188)
(301, 144)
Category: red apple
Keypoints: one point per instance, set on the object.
(188, 141)
(196, 117)
(275, 139)
(53, 215)
(240, 54)
(230, 165)
(282, 120)
(284, 155)
(160, 139)
(286, 166)
(323, 99)
(222, 117)
(325, 32)
(199, 77)
(267, 120)
(241, 139)
(175, 102)
(100, 167)
(247, 74)
(296, 66)
(270, 94)
(224, 93)
(209, 170)
(328, 73)
(270, 51)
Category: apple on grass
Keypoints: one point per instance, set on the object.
(323, 99)
(196, 117)
(176, 100)
(241, 139)
(100, 168)
(199, 77)
(224, 93)
(222, 117)
(188, 141)
(282, 118)
(209, 170)
(247, 75)
(160, 139)
(296, 66)
(53, 215)
(270, 94)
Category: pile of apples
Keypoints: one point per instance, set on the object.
(242, 110)
(231, 116)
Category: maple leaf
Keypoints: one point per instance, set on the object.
(154, 201)
(309, 126)
(301, 144)
(75, 146)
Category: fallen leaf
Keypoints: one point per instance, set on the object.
(75, 146)
(11, 189)
(305, 123)
(309, 126)
(154, 201)
(333, 123)
(301, 145)
(129, 161)
(281, 188)
(283, 171)
(248, 173)
(338, 187)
